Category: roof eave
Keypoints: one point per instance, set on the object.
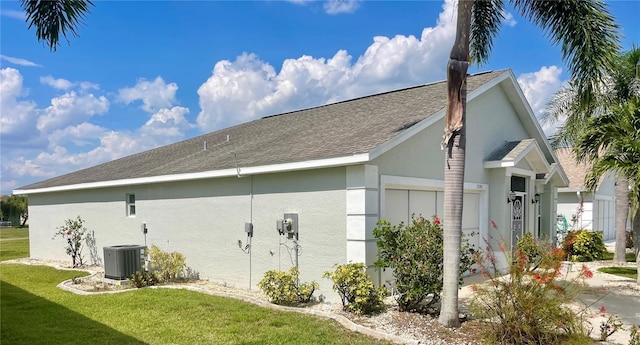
(239, 172)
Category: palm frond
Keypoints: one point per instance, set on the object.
(587, 34)
(486, 19)
(54, 17)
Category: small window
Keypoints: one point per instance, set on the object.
(131, 205)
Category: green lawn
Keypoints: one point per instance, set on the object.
(34, 311)
(630, 257)
(13, 244)
(627, 272)
(14, 232)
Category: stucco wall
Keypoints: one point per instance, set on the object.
(205, 219)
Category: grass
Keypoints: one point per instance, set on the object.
(630, 257)
(32, 306)
(14, 232)
(13, 244)
(627, 272)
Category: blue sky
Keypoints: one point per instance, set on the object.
(144, 74)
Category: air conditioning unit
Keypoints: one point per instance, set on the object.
(120, 262)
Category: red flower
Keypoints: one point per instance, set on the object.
(603, 309)
(586, 271)
(493, 224)
(68, 233)
(436, 220)
(473, 271)
(538, 277)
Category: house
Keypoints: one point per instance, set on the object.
(337, 168)
(580, 208)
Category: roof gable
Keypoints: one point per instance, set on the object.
(295, 140)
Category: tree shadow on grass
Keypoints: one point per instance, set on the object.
(30, 319)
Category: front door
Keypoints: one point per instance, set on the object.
(517, 218)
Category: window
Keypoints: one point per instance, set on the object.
(131, 205)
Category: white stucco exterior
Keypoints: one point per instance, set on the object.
(338, 199)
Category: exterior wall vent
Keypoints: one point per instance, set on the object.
(121, 261)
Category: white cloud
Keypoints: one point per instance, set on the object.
(341, 6)
(20, 15)
(154, 95)
(248, 88)
(17, 117)
(64, 84)
(70, 109)
(83, 134)
(19, 61)
(60, 84)
(508, 19)
(167, 125)
(538, 87)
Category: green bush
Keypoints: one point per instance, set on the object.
(169, 266)
(415, 253)
(142, 279)
(284, 288)
(532, 248)
(530, 306)
(356, 290)
(584, 245)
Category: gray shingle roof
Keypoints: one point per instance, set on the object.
(334, 130)
(510, 150)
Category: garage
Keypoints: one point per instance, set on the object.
(402, 203)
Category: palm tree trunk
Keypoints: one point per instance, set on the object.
(622, 217)
(454, 145)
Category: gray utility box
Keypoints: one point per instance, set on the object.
(120, 262)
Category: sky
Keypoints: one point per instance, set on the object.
(143, 74)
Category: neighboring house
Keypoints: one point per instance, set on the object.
(582, 208)
(339, 167)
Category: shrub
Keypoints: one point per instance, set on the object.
(529, 306)
(634, 335)
(74, 232)
(169, 266)
(532, 248)
(356, 290)
(629, 240)
(142, 279)
(415, 253)
(583, 245)
(284, 288)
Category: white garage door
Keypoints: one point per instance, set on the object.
(402, 203)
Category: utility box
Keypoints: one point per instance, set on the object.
(121, 261)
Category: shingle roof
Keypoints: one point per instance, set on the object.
(510, 150)
(334, 130)
(575, 171)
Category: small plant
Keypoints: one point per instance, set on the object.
(415, 253)
(142, 279)
(529, 305)
(356, 290)
(629, 239)
(75, 234)
(610, 326)
(583, 245)
(284, 288)
(634, 335)
(169, 266)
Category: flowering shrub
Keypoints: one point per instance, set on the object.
(415, 253)
(611, 325)
(584, 245)
(356, 290)
(284, 287)
(529, 305)
(75, 235)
